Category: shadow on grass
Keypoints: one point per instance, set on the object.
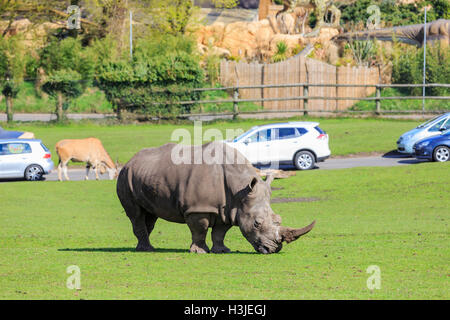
(157, 250)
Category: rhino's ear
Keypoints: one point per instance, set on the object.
(247, 190)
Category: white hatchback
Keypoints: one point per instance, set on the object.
(24, 158)
(299, 143)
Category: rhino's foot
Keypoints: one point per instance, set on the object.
(220, 249)
(199, 248)
(141, 248)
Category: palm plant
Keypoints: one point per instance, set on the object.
(281, 53)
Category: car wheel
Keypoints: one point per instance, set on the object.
(34, 172)
(304, 160)
(441, 154)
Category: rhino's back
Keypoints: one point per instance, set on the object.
(168, 190)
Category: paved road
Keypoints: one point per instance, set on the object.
(388, 160)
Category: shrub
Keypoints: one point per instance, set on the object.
(69, 68)
(12, 69)
(408, 68)
(158, 75)
(282, 52)
(392, 12)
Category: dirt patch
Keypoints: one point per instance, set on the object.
(275, 188)
(285, 200)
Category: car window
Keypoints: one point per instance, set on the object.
(253, 137)
(301, 131)
(260, 136)
(320, 130)
(264, 135)
(446, 126)
(428, 122)
(437, 126)
(286, 133)
(44, 147)
(15, 148)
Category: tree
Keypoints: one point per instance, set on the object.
(173, 17)
(69, 68)
(225, 3)
(408, 68)
(12, 70)
(161, 72)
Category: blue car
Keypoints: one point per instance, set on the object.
(433, 127)
(7, 134)
(435, 148)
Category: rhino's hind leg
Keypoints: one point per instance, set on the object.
(198, 224)
(150, 221)
(217, 236)
(138, 218)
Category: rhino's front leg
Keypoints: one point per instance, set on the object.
(217, 236)
(198, 223)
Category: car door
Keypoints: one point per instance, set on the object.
(15, 157)
(286, 143)
(256, 147)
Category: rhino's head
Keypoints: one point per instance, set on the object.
(259, 224)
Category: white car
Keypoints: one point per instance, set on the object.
(24, 158)
(299, 143)
(433, 127)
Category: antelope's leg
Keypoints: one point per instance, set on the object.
(64, 166)
(59, 170)
(88, 167)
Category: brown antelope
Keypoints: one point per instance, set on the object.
(88, 150)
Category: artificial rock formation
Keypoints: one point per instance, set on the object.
(258, 39)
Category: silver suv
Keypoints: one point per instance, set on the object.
(20, 158)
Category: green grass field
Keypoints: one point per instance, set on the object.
(347, 135)
(399, 105)
(27, 101)
(395, 218)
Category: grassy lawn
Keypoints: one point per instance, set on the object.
(396, 218)
(94, 101)
(398, 105)
(347, 136)
(27, 101)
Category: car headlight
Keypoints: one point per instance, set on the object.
(423, 144)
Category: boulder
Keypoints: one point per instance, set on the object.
(259, 38)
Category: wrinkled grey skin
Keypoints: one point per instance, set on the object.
(215, 195)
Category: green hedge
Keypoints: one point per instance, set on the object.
(158, 75)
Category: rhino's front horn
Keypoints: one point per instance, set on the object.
(290, 234)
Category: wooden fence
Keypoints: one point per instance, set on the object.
(300, 70)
